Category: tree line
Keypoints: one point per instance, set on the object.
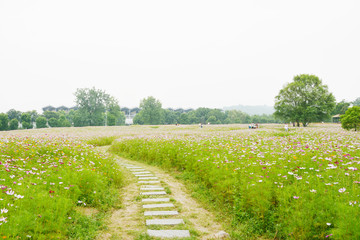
(304, 100)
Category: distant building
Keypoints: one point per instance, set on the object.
(336, 118)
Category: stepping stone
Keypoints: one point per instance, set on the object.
(154, 193)
(155, 200)
(134, 167)
(137, 170)
(144, 175)
(160, 213)
(148, 182)
(162, 205)
(150, 186)
(169, 233)
(145, 178)
(151, 189)
(141, 172)
(164, 222)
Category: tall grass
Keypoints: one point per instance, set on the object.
(43, 181)
(298, 185)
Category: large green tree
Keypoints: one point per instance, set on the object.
(304, 100)
(93, 105)
(151, 112)
(351, 118)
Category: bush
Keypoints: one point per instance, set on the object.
(41, 122)
(26, 121)
(4, 122)
(14, 124)
(53, 122)
(351, 119)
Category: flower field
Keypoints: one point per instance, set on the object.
(301, 184)
(45, 181)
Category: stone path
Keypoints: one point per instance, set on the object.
(156, 203)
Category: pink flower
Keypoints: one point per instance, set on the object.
(296, 197)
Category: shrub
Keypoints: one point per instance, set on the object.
(53, 122)
(14, 124)
(41, 122)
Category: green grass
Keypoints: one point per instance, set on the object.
(301, 184)
(44, 180)
(102, 141)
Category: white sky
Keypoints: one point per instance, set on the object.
(184, 53)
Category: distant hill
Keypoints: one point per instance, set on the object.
(252, 110)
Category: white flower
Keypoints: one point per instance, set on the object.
(341, 190)
(313, 190)
(4, 210)
(328, 224)
(11, 192)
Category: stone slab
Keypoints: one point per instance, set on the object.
(155, 200)
(164, 222)
(147, 178)
(161, 205)
(148, 182)
(134, 167)
(141, 172)
(144, 175)
(151, 189)
(168, 233)
(137, 170)
(160, 213)
(150, 186)
(154, 193)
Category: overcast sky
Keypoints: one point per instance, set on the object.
(184, 53)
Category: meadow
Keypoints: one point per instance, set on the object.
(263, 184)
(49, 183)
(266, 183)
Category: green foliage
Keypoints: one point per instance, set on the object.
(102, 141)
(41, 122)
(4, 122)
(351, 119)
(93, 104)
(63, 122)
(51, 114)
(53, 122)
(356, 102)
(26, 121)
(14, 124)
(304, 100)
(49, 181)
(272, 186)
(13, 114)
(151, 112)
(340, 107)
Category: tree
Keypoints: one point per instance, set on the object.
(53, 122)
(12, 114)
(151, 111)
(356, 102)
(63, 122)
(26, 121)
(340, 107)
(351, 118)
(41, 122)
(14, 124)
(93, 103)
(4, 122)
(304, 100)
(51, 114)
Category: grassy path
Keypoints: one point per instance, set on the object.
(129, 221)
